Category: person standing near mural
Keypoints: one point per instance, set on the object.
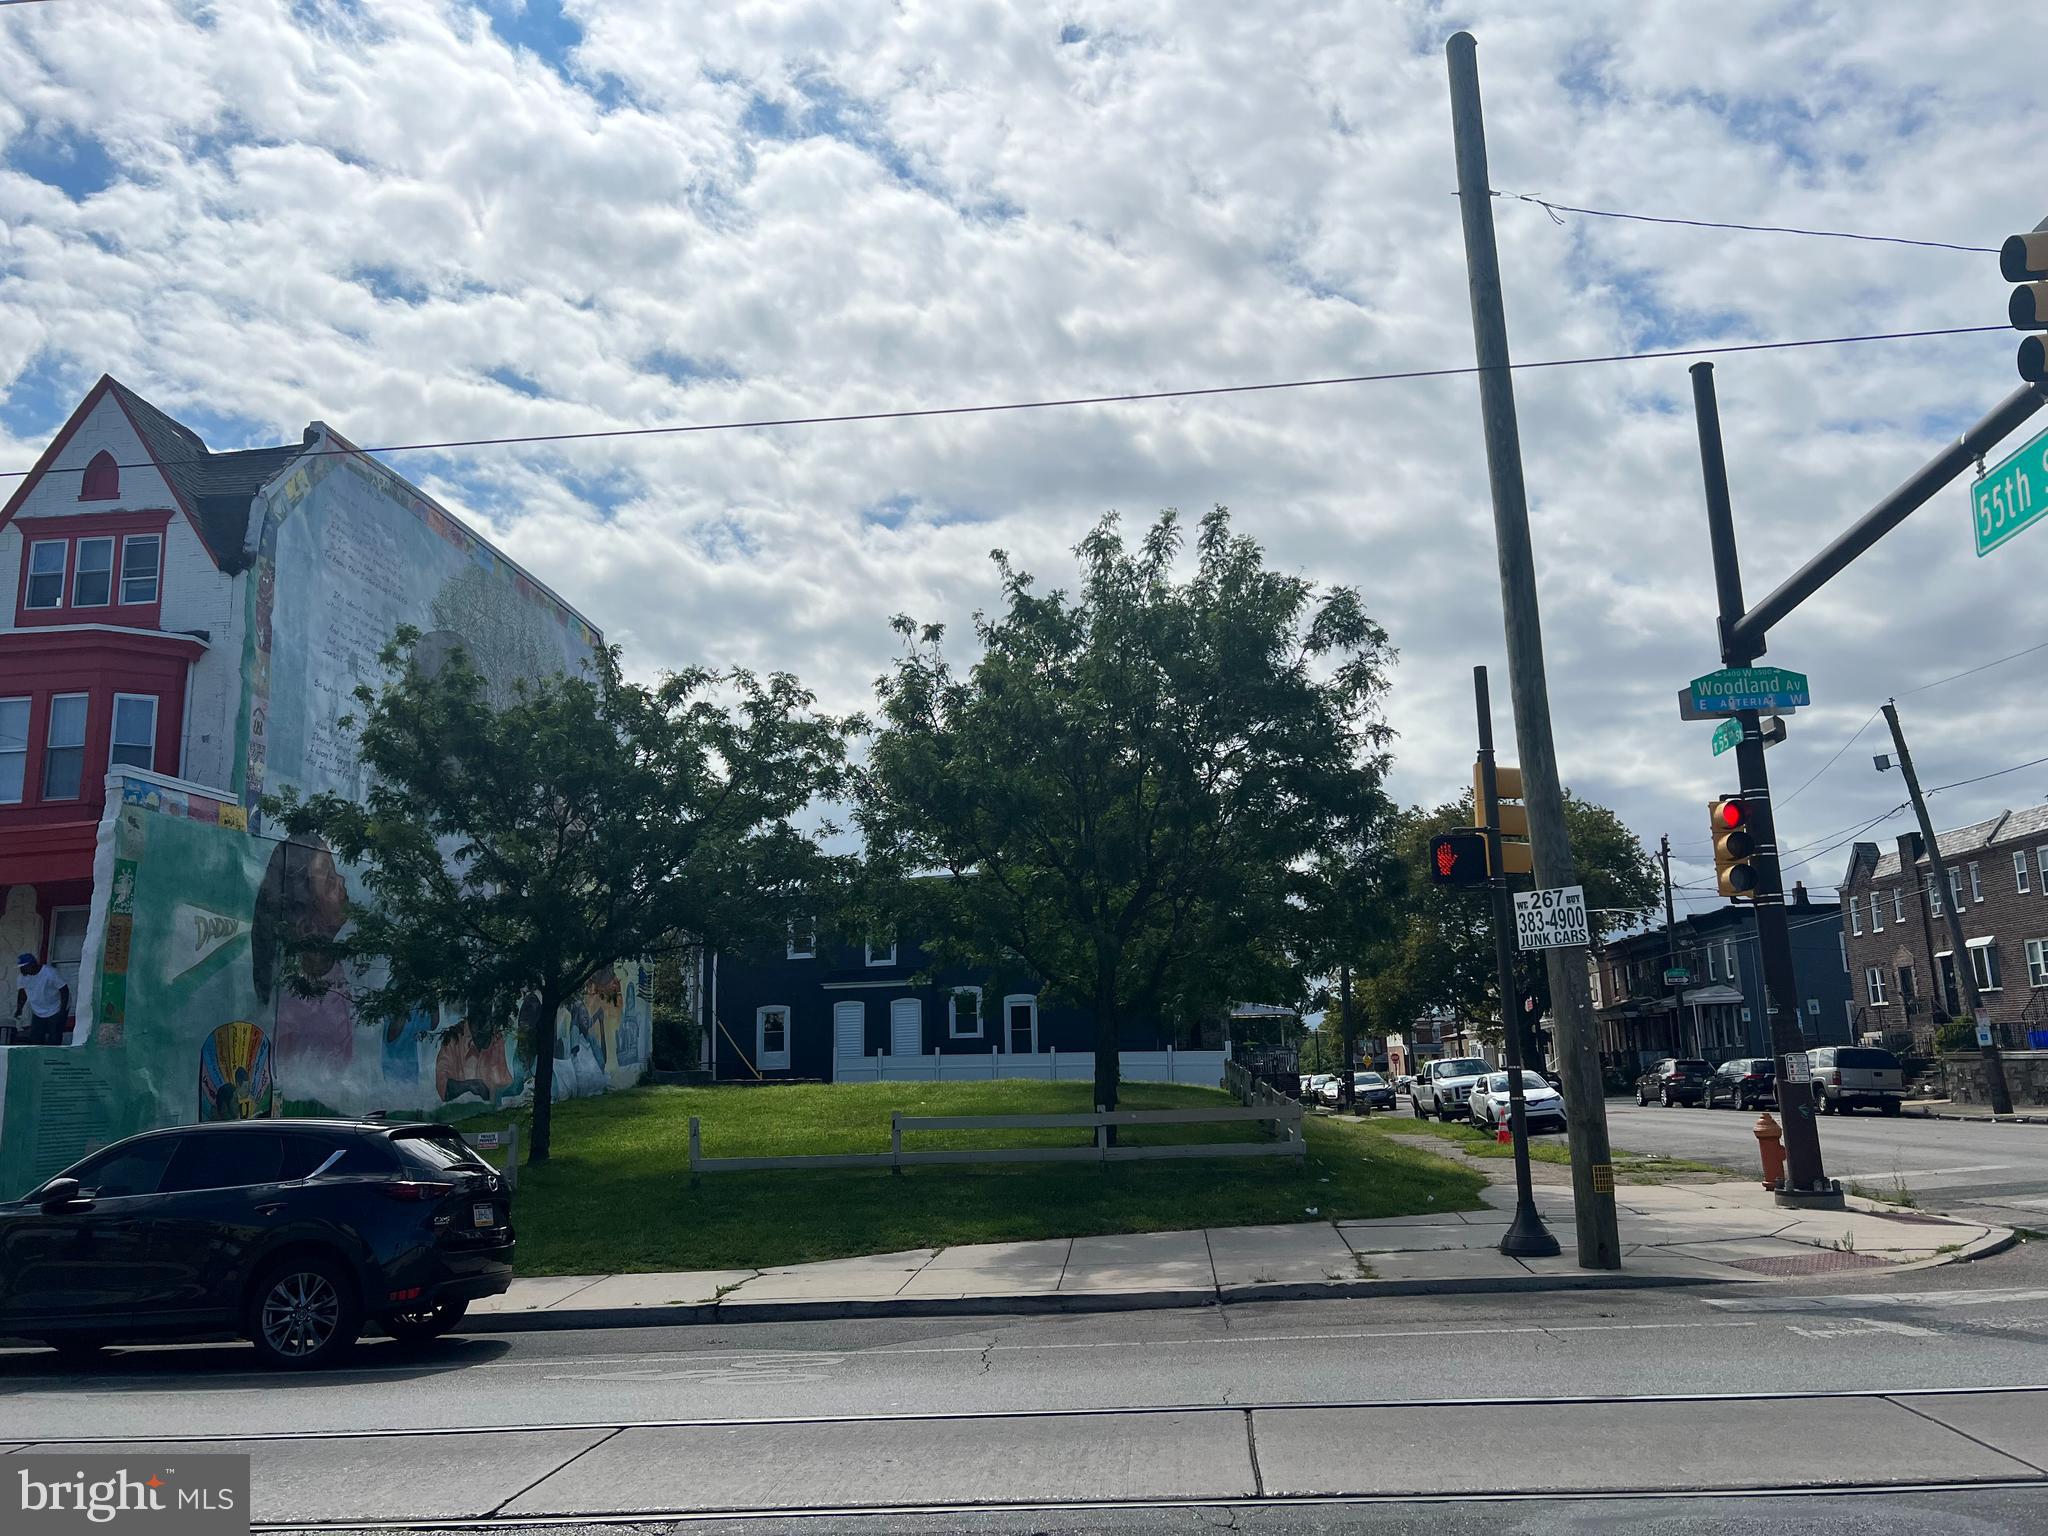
(47, 996)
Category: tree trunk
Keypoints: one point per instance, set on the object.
(1108, 1067)
(543, 1081)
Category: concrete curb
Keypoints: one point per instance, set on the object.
(687, 1314)
(1935, 1114)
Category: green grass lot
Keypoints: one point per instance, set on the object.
(1475, 1141)
(616, 1194)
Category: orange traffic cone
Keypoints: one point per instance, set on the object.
(1503, 1132)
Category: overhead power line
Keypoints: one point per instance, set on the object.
(1137, 397)
(1556, 208)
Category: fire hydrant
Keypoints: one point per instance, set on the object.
(1770, 1146)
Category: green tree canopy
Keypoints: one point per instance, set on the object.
(515, 848)
(1126, 788)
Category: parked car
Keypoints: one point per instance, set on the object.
(1543, 1104)
(293, 1234)
(1405, 1084)
(1445, 1086)
(1847, 1077)
(1312, 1086)
(1675, 1080)
(1744, 1083)
(1372, 1091)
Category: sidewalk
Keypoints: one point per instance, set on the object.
(1672, 1234)
(1949, 1109)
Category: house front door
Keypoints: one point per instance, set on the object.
(906, 1027)
(1022, 1027)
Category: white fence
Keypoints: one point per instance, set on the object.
(1285, 1119)
(1202, 1068)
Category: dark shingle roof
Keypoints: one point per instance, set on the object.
(217, 487)
(2028, 824)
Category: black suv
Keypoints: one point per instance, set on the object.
(1675, 1080)
(292, 1233)
(1745, 1082)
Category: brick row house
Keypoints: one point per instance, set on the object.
(1720, 1011)
(1901, 959)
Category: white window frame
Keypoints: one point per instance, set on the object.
(1856, 918)
(1976, 882)
(1990, 980)
(1713, 962)
(28, 711)
(1955, 885)
(1899, 904)
(2041, 868)
(1030, 998)
(1873, 986)
(156, 571)
(62, 573)
(2037, 962)
(877, 957)
(810, 950)
(1728, 961)
(2020, 873)
(1934, 906)
(49, 747)
(1876, 913)
(764, 1059)
(78, 568)
(953, 1029)
(113, 722)
(1843, 941)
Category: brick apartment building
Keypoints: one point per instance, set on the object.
(1901, 960)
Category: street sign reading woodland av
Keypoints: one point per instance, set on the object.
(1733, 688)
(1552, 919)
(2010, 497)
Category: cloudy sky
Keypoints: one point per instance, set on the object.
(440, 219)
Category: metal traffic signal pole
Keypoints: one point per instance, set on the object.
(1578, 1045)
(1806, 1181)
(1966, 974)
(1526, 1236)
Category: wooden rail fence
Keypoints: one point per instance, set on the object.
(1284, 1117)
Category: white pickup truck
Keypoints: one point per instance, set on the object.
(1444, 1088)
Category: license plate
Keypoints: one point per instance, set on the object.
(484, 1216)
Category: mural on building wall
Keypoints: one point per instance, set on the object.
(192, 1015)
(346, 553)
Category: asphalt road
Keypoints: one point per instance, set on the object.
(1996, 1173)
(1233, 1408)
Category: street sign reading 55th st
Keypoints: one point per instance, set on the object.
(2011, 497)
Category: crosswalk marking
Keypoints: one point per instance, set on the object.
(1858, 1302)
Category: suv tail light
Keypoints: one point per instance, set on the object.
(1835, 1078)
(416, 1189)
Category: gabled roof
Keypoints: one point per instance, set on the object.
(2030, 822)
(214, 490)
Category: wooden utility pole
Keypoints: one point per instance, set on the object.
(1578, 1044)
(1966, 975)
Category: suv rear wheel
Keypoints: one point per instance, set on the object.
(303, 1313)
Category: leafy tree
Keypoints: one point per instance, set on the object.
(1125, 787)
(1440, 955)
(516, 848)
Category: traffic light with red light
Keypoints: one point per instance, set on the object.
(1457, 858)
(1733, 847)
(2023, 259)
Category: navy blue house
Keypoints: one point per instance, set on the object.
(833, 1012)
